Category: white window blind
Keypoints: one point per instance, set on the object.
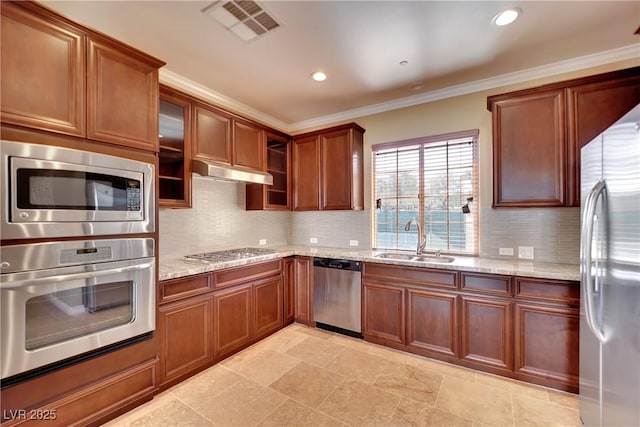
(433, 180)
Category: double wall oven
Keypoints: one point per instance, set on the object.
(78, 266)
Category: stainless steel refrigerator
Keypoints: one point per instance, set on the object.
(610, 276)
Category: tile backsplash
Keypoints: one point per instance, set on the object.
(218, 220)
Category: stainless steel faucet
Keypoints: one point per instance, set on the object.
(422, 238)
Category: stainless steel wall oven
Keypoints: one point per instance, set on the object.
(60, 300)
(50, 192)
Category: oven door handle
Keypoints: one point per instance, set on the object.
(11, 284)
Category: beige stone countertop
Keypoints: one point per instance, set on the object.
(171, 268)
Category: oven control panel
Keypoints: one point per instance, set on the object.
(85, 255)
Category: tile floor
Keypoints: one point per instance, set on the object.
(302, 376)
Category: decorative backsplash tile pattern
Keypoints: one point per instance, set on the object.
(218, 220)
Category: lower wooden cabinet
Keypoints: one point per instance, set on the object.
(487, 332)
(206, 317)
(186, 336)
(383, 313)
(547, 343)
(304, 290)
(519, 327)
(432, 322)
(289, 287)
(232, 319)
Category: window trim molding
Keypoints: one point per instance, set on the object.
(472, 133)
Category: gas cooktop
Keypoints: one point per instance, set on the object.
(231, 255)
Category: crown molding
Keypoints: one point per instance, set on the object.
(570, 65)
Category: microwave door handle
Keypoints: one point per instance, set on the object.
(588, 282)
(74, 276)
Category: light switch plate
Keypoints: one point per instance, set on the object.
(525, 252)
(263, 241)
(353, 243)
(313, 240)
(505, 251)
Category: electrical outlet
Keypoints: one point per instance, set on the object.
(353, 243)
(262, 242)
(313, 240)
(506, 251)
(525, 252)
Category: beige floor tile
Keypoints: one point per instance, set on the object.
(415, 414)
(165, 411)
(318, 333)
(360, 404)
(513, 386)
(196, 391)
(410, 382)
(539, 413)
(294, 414)
(281, 341)
(358, 365)
(243, 404)
(263, 367)
(307, 384)
(475, 401)
(393, 355)
(349, 342)
(568, 400)
(316, 351)
(447, 369)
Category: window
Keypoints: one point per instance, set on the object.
(434, 181)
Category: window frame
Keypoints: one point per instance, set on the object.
(422, 144)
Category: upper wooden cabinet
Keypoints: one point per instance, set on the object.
(327, 172)
(278, 195)
(222, 137)
(211, 134)
(60, 77)
(175, 149)
(538, 134)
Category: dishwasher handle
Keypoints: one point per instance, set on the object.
(341, 264)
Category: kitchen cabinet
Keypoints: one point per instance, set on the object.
(289, 289)
(89, 392)
(60, 77)
(248, 305)
(304, 290)
(278, 195)
(518, 327)
(221, 137)
(328, 169)
(547, 331)
(186, 328)
(175, 149)
(185, 325)
(403, 308)
(211, 133)
(538, 133)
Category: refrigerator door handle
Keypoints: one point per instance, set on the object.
(588, 282)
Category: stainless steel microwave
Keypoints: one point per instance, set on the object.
(52, 191)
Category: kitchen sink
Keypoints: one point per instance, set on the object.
(391, 255)
(433, 258)
(412, 257)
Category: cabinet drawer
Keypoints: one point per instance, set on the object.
(548, 290)
(486, 284)
(174, 289)
(413, 275)
(246, 273)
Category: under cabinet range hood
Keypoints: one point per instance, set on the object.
(229, 173)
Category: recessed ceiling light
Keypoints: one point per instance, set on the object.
(506, 17)
(319, 76)
(403, 63)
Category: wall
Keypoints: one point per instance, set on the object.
(218, 218)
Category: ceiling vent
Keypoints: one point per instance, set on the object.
(245, 18)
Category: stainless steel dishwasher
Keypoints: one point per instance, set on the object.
(337, 296)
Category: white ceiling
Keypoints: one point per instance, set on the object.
(360, 44)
